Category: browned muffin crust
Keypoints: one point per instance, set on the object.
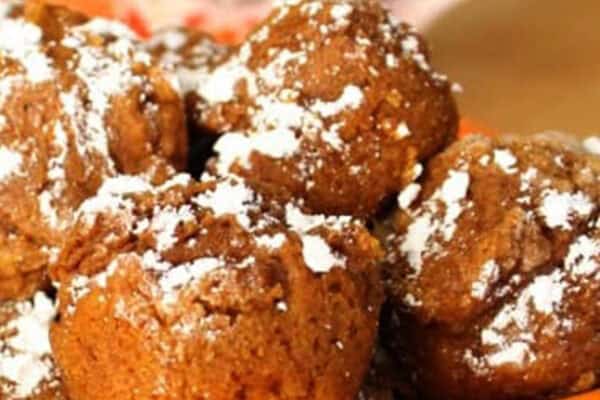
(198, 290)
(79, 101)
(333, 101)
(494, 267)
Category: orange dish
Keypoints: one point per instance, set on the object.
(595, 395)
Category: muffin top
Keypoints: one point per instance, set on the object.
(80, 101)
(209, 290)
(490, 218)
(333, 100)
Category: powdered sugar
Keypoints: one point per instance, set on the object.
(583, 257)
(428, 225)
(340, 12)
(318, 256)
(229, 198)
(408, 195)
(56, 179)
(11, 163)
(490, 272)
(509, 337)
(165, 222)
(271, 242)
(185, 274)
(402, 131)
(238, 147)
(21, 41)
(25, 347)
(559, 209)
(351, 99)
(506, 160)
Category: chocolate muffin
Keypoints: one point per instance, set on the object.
(205, 291)
(494, 268)
(27, 368)
(80, 101)
(333, 101)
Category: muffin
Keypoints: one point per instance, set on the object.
(192, 55)
(493, 265)
(27, 369)
(205, 291)
(79, 102)
(333, 101)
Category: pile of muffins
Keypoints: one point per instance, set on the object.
(289, 219)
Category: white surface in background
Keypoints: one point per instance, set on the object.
(420, 13)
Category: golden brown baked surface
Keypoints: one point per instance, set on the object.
(200, 291)
(494, 266)
(79, 101)
(333, 101)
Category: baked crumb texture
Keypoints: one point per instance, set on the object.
(333, 100)
(80, 101)
(204, 291)
(493, 263)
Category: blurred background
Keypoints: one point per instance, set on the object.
(525, 65)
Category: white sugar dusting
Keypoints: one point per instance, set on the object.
(56, 180)
(402, 131)
(407, 197)
(271, 242)
(435, 219)
(112, 198)
(25, 347)
(165, 223)
(351, 99)
(11, 163)
(183, 275)
(560, 208)
(506, 160)
(21, 41)
(509, 338)
(236, 200)
(583, 257)
(318, 255)
(490, 272)
(340, 11)
(279, 122)
(238, 147)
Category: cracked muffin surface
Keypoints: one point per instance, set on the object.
(79, 102)
(493, 265)
(204, 290)
(332, 100)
